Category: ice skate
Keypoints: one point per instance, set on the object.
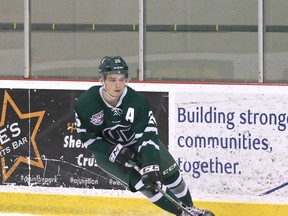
(193, 211)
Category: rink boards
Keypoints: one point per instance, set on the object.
(230, 142)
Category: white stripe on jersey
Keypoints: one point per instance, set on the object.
(138, 135)
(150, 142)
(151, 129)
(90, 141)
(80, 130)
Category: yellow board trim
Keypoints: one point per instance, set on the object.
(51, 204)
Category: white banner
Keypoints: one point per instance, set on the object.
(232, 141)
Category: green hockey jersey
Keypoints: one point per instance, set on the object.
(131, 123)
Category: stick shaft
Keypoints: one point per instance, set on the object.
(175, 202)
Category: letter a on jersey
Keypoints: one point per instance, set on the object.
(130, 115)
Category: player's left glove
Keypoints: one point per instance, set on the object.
(151, 177)
(122, 155)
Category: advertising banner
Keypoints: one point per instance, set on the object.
(231, 142)
(39, 145)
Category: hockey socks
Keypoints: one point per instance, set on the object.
(161, 201)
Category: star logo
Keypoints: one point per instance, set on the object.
(7, 147)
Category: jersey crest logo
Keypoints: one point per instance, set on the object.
(120, 134)
(98, 118)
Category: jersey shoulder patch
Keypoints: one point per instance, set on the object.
(98, 118)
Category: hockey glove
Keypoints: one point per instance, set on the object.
(151, 177)
(122, 155)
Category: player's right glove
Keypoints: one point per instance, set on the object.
(122, 155)
(151, 177)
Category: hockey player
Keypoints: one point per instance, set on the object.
(116, 124)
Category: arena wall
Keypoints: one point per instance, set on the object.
(230, 142)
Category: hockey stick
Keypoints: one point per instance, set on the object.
(167, 196)
(171, 199)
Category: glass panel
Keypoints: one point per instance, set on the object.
(70, 37)
(11, 38)
(276, 41)
(202, 40)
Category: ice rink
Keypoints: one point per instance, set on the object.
(15, 214)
